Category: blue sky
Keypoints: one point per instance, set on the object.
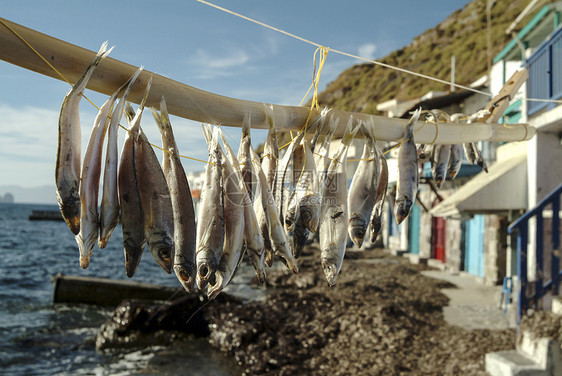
(197, 45)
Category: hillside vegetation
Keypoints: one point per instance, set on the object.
(463, 34)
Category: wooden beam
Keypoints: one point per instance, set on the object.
(195, 104)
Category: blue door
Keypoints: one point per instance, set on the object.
(414, 227)
(474, 246)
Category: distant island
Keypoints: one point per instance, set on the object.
(45, 194)
(8, 198)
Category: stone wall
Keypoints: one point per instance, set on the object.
(453, 245)
(495, 249)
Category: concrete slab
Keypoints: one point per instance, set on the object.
(511, 363)
(473, 305)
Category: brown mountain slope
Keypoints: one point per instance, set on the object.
(463, 34)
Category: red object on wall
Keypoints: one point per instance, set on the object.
(438, 236)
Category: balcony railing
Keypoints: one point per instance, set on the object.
(545, 73)
(522, 226)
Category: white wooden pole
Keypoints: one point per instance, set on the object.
(195, 104)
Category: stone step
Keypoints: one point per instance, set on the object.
(557, 305)
(534, 356)
(512, 363)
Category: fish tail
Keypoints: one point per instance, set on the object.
(247, 124)
(103, 51)
(408, 133)
(215, 138)
(145, 96)
(208, 133)
(129, 113)
(350, 131)
(126, 87)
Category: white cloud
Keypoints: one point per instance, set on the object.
(233, 58)
(367, 51)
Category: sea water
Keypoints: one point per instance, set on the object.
(38, 337)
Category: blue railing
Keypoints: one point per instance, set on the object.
(522, 226)
(545, 73)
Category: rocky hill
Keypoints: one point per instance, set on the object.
(463, 34)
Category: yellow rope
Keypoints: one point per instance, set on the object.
(67, 81)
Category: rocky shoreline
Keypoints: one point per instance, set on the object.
(382, 317)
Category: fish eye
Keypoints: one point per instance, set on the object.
(164, 254)
(306, 216)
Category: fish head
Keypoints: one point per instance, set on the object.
(258, 262)
(330, 271)
(133, 253)
(74, 224)
(163, 255)
(310, 212)
(86, 246)
(70, 209)
(376, 227)
(357, 227)
(216, 285)
(206, 268)
(283, 251)
(268, 257)
(186, 275)
(357, 234)
(402, 208)
(300, 237)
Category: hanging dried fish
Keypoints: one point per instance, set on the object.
(109, 208)
(270, 151)
(182, 203)
(268, 218)
(90, 183)
(321, 129)
(469, 152)
(67, 168)
(440, 162)
(455, 160)
(210, 222)
(363, 190)
(158, 217)
(479, 159)
(253, 238)
(322, 151)
(233, 248)
(285, 181)
(333, 224)
(134, 239)
(245, 165)
(304, 204)
(382, 186)
(407, 184)
(269, 166)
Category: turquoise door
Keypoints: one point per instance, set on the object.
(414, 228)
(474, 246)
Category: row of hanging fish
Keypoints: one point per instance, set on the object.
(266, 207)
(448, 158)
(154, 202)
